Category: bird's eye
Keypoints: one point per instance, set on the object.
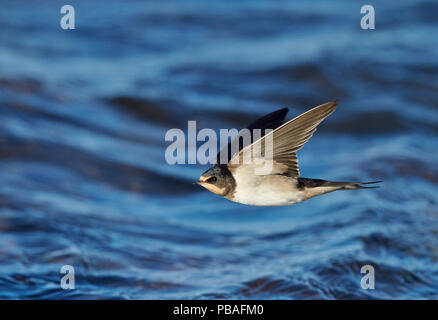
(212, 179)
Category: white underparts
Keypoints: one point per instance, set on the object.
(265, 190)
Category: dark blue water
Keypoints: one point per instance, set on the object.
(84, 182)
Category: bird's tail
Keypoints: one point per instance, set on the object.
(337, 185)
(315, 187)
(352, 185)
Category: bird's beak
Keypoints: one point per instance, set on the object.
(197, 182)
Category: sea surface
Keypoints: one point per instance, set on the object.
(83, 176)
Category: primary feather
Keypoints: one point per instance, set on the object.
(287, 140)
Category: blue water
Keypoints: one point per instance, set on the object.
(84, 182)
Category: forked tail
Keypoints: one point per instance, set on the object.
(353, 185)
(314, 187)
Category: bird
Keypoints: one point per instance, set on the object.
(237, 181)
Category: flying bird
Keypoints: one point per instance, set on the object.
(237, 180)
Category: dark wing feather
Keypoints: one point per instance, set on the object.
(269, 121)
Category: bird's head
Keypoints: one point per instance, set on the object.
(218, 180)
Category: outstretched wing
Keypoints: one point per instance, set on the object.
(270, 121)
(287, 140)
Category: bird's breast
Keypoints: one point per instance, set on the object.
(269, 190)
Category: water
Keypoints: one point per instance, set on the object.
(83, 180)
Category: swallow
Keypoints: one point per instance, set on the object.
(282, 186)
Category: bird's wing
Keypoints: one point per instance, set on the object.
(269, 121)
(287, 140)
